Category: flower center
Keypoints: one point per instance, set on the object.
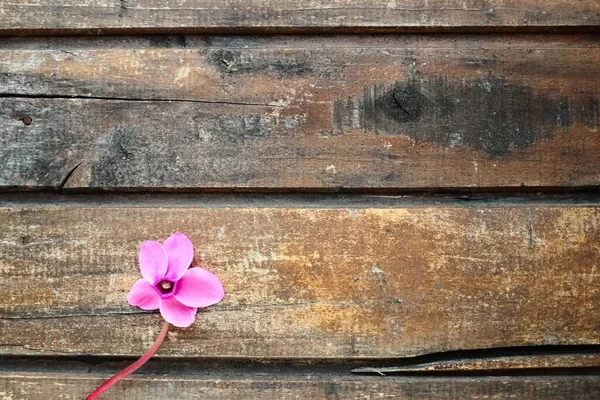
(165, 286)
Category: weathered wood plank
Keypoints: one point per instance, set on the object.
(391, 112)
(136, 16)
(306, 282)
(537, 361)
(17, 386)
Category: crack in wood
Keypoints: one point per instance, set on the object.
(75, 315)
(500, 358)
(62, 183)
(562, 360)
(108, 98)
(231, 308)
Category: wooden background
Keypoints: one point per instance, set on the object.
(400, 197)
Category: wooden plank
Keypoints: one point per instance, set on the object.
(301, 282)
(137, 16)
(520, 362)
(319, 112)
(17, 386)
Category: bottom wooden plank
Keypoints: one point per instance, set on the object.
(42, 386)
(508, 362)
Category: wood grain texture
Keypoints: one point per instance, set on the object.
(145, 16)
(316, 283)
(291, 112)
(21, 386)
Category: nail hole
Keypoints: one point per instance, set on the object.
(27, 120)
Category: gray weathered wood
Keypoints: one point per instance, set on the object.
(145, 16)
(50, 386)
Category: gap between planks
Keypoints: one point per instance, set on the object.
(274, 199)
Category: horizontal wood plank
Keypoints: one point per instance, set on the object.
(317, 283)
(381, 112)
(145, 16)
(18, 386)
(499, 363)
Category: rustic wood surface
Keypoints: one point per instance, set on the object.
(303, 282)
(145, 16)
(42, 386)
(303, 113)
(325, 295)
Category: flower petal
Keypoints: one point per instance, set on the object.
(153, 261)
(143, 295)
(199, 288)
(176, 313)
(180, 253)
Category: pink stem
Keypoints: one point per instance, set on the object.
(133, 367)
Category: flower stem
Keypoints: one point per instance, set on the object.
(133, 367)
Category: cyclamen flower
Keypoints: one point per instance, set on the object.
(170, 285)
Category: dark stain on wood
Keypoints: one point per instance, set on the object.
(590, 111)
(410, 101)
(486, 114)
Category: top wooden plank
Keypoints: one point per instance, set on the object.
(135, 16)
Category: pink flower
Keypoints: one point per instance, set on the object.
(170, 285)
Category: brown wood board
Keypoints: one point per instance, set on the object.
(307, 283)
(391, 112)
